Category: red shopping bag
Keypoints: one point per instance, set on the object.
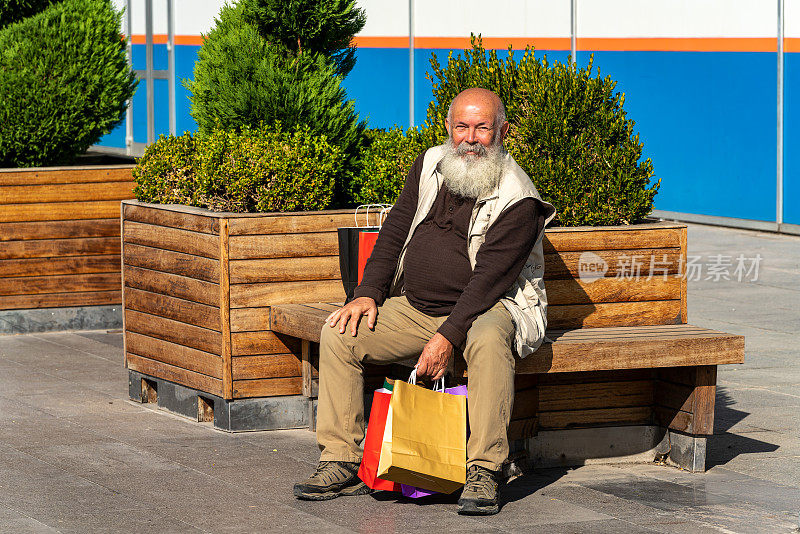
(372, 443)
(366, 242)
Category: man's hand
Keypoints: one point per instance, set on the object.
(352, 312)
(435, 357)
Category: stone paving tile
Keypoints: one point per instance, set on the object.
(19, 523)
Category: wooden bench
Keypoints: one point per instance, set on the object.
(621, 375)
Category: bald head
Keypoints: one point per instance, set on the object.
(478, 97)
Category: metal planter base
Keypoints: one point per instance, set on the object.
(60, 319)
(238, 415)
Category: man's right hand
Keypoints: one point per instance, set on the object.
(352, 312)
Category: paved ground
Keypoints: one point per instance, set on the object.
(77, 456)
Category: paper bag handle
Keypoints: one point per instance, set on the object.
(381, 209)
(412, 379)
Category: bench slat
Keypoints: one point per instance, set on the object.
(586, 349)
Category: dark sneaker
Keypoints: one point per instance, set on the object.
(480, 493)
(331, 480)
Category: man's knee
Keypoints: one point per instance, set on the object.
(492, 334)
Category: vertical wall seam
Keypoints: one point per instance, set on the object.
(780, 133)
(171, 63)
(148, 30)
(129, 57)
(411, 63)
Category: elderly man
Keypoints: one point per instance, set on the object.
(458, 265)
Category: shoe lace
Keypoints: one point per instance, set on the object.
(480, 479)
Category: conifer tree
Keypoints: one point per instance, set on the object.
(310, 26)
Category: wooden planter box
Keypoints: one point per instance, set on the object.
(59, 228)
(198, 286)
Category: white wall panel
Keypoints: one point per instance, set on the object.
(791, 18)
(195, 17)
(497, 18)
(385, 18)
(677, 18)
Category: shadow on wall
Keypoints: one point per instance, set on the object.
(724, 446)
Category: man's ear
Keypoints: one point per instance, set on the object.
(447, 126)
(503, 130)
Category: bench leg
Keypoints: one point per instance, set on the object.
(687, 451)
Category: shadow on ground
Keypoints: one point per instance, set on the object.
(724, 446)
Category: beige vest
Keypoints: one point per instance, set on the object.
(526, 299)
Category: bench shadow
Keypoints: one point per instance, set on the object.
(724, 446)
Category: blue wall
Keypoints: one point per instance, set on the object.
(707, 119)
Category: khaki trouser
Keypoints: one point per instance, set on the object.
(401, 333)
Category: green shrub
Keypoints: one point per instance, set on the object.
(312, 27)
(573, 139)
(384, 162)
(64, 82)
(12, 11)
(242, 80)
(255, 170)
(568, 132)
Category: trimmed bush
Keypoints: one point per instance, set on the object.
(384, 162)
(311, 27)
(64, 82)
(568, 132)
(255, 170)
(573, 139)
(242, 80)
(12, 11)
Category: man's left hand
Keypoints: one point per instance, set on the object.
(435, 357)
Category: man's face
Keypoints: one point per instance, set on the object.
(472, 122)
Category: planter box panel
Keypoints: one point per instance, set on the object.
(173, 331)
(60, 300)
(48, 248)
(614, 314)
(284, 245)
(255, 295)
(172, 284)
(30, 194)
(177, 309)
(298, 223)
(268, 387)
(174, 239)
(174, 354)
(167, 261)
(285, 269)
(60, 233)
(616, 394)
(638, 415)
(59, 266)
(605, 290)
(566, 265)
(59, 211)
(34, 285)
(261, 366)
(265, 342)
(250, 319)
(173, 373)
(657, 235)
(59, 229)
(67, 175)
(169, 216)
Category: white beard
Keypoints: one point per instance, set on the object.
(468, 175)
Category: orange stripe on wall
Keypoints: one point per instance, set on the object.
(161, 38)
(368, 41)
(632, 44)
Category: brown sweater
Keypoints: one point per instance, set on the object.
(438, 279)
